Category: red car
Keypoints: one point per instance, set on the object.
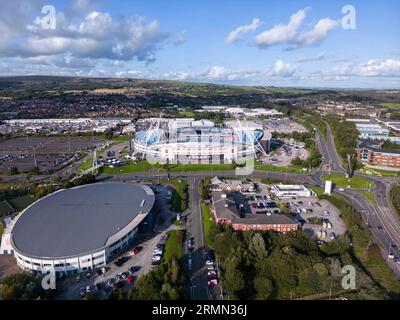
(129, 279)
(135, 250)
(213, 282)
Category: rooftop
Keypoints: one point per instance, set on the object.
(80, 220)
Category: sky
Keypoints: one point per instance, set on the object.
(294, 43)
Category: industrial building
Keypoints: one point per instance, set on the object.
(79, 229)
(288, 191)
(369, 129)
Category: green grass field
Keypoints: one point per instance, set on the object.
(87, 164)
(5, 209)
(290, 168)
(355, 182)
(174, 245)
(379, 172)
(208, 221)
(21, 203)
(142, 166)
(198, 167)
(370, 197)
(391, 105)
(179, 197)
(121, 138)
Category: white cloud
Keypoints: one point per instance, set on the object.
(282, 69)
(281, 33)
(236, 34)
(94, 34)
(319, 57)
(316, 34)
(374, 68)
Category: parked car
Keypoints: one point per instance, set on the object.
(82, 291)
(210, 273)
(135, 250)
(119, 284)
(133, 269)
(88, 289)
(213, 282)
(209, 262)
(156, 257)
(78, 278)
(130, 279)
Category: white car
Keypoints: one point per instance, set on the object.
(210, 267)
(156, 258)
(212, 273)
(157, 252)
(209, 263)
(87, 289)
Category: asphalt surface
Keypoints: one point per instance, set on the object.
(381, 219)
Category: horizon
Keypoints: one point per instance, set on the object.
(209, 83)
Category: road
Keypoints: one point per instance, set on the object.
(381, 219)
(198, 274)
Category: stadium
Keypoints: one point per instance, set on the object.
(199, 142)
(79, 229)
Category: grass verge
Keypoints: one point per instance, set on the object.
(354, 182)
(174, 245)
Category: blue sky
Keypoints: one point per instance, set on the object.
(282, 43)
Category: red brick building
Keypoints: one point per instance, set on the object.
(228, 211)
(373, 154)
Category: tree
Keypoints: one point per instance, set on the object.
(264, 287)
(257, 247)
(20, 286)
(13, 170)
(233, 278)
